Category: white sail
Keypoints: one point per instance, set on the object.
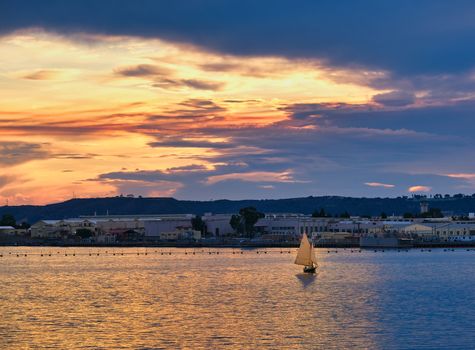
(314, 258)
(305, 254)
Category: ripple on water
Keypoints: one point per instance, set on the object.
(241, 301)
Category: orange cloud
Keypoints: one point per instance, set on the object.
(128, 102)
(467, 176)
(419, 188)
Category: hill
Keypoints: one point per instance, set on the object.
(331, 204)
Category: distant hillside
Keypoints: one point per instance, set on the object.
(331, 204)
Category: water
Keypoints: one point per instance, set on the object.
(367, 300)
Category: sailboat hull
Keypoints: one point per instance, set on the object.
(309, 269)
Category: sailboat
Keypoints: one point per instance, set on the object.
(306, 255)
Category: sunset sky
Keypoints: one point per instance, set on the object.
(235, 99)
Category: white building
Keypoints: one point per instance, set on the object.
(290, 224)
(218, 224)
(154, 227)
(454, 231)
(7, 231)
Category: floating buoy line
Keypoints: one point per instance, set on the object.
(197, 251)
(127, 252)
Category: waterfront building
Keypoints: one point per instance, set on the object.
(293, 225)
(218, 224)
(7, 231)
(181, 234)
(155, 227)
(59, 228)
(419, 231)
(455, 231)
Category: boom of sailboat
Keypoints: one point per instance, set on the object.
(306, 255)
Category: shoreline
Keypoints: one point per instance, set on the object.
(240, 246)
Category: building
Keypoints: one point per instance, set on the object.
(424, 207)
(180, 234)
(290, 225)
(7, 231)
(45, 229)
(60, 228)
(155, 227)
(419, 231)
(218, 224)
(454, 231)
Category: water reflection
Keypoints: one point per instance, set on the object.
(306, 279)
(248, 301)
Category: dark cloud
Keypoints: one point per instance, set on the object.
(220, 67)
(73, 155)
(202, 84)
(13, 153)
(321, 149)
(169, 83)
(178, 142)
(198, 107)
(241, 101)
(143, 70)
(191, 167)
(407, 37)
(164, 78)
(395, 98)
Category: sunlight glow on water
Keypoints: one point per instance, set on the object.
(390, 300)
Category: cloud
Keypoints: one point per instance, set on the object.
(5, 180)
(186, 168)
(202, 84)
(255, 176)
(191, 144)
(44, 74)
(267, 187)
(462, 176)
(143, 70)
(146, 183)
(419, 188)
(73, 155)
(395, 98)
(13, 153)
(220, 67)
(187, 181)
(379, 184)
(165, 78)
(405, 38)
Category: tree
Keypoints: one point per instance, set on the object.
(433, 213)
(236, 223)
(250, 217)
(384, 215)
(8, 220)
(84, 233)
(198, 224)
(24, 225)
(245, 221)
(345, 214)
(319, 213)
(408, 216)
